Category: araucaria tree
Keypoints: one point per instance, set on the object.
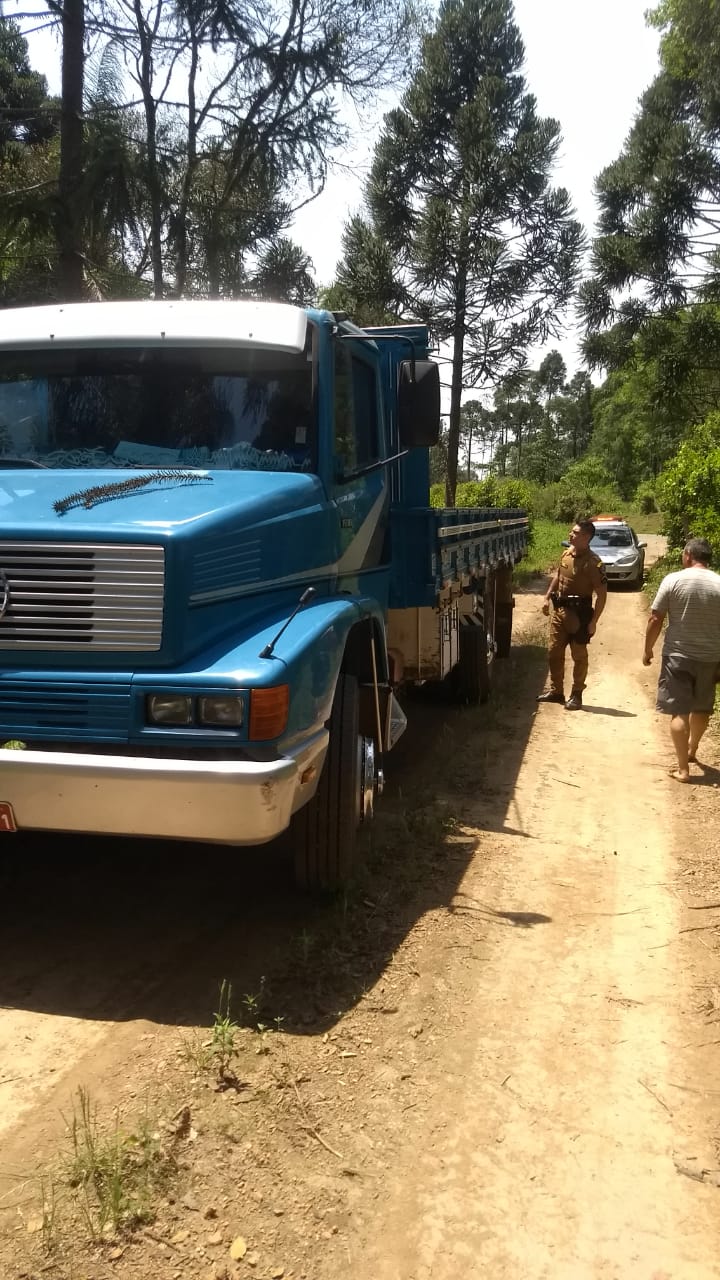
(226, 113)
(460, 187)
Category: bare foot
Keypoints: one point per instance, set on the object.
(692, 758)
(680, 775)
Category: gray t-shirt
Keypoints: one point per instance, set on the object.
(691, 600)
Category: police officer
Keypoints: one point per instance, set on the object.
(579, 576)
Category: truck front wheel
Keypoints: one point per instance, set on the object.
(325, 829)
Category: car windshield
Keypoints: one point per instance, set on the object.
(612, 538)
(150, 407)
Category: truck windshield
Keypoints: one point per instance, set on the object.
(158, 407)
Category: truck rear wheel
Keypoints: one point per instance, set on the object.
(325, 829)
(503, 629)
(472, 674)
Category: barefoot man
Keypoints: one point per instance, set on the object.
(690, 600)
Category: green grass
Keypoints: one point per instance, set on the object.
(116, 1176)
(544, 551)
(652, 523)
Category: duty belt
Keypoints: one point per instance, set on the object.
(573, 600)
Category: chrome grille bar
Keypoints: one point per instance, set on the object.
(71, 596)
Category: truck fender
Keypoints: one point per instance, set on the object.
(329, 637)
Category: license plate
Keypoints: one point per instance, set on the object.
(7, 817)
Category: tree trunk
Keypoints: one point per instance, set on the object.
(146, 34)
(68, 218)
(181, 251)
(456, 388)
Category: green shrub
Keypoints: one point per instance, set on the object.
(494, 491)
(689, 488)
(585, 489)
(543, 499)
(580, 503)
(645, 498)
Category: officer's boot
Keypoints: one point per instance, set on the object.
(550, 696)
(574, 702)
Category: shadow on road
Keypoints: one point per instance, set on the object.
(610, 711)
(113, 929)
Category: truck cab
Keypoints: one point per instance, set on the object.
(207, 531)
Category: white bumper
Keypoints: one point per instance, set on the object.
(226, 801)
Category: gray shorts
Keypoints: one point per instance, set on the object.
(685, 685)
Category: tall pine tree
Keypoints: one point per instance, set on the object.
(460, 188)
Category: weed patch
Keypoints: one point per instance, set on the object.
(115, 1176)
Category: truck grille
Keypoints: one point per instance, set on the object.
(70, 596)
(87, 711)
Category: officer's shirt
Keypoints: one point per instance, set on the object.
(581, 573)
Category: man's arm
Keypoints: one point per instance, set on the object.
(658, 613)
(600, 601)
(652, 631)
(554, 584)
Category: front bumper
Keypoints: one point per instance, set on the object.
(226, 801)
(623, 572)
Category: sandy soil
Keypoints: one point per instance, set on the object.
(499, 1059)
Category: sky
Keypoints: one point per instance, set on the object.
(587, 62)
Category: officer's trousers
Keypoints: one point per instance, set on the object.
(559, 640)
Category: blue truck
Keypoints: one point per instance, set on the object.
(218, 566)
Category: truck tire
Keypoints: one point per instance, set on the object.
(503, 629)
(325, 830)
(472, 674)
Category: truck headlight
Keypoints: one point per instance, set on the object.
(220, 709)
(169, 708)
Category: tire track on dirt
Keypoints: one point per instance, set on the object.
(554, 1133)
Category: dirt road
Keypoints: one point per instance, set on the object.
(500, 1059)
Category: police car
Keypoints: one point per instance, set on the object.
(618, 547)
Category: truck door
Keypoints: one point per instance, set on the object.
(362, 497)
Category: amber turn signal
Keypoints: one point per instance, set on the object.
(268, 712)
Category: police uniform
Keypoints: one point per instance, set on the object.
(580, 574)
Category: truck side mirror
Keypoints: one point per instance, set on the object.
(419, 404)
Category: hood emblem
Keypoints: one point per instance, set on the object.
(4, 594)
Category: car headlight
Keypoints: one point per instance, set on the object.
(169, 708)
(220, 709)
(628, 559)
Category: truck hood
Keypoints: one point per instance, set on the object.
(232, 540)
(160, 510)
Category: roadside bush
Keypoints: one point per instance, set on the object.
(494, 491)
(689, 488)
(580, 502)
(544, 499)
(645, 498)
(586, 488)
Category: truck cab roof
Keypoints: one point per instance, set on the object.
(274, 325)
